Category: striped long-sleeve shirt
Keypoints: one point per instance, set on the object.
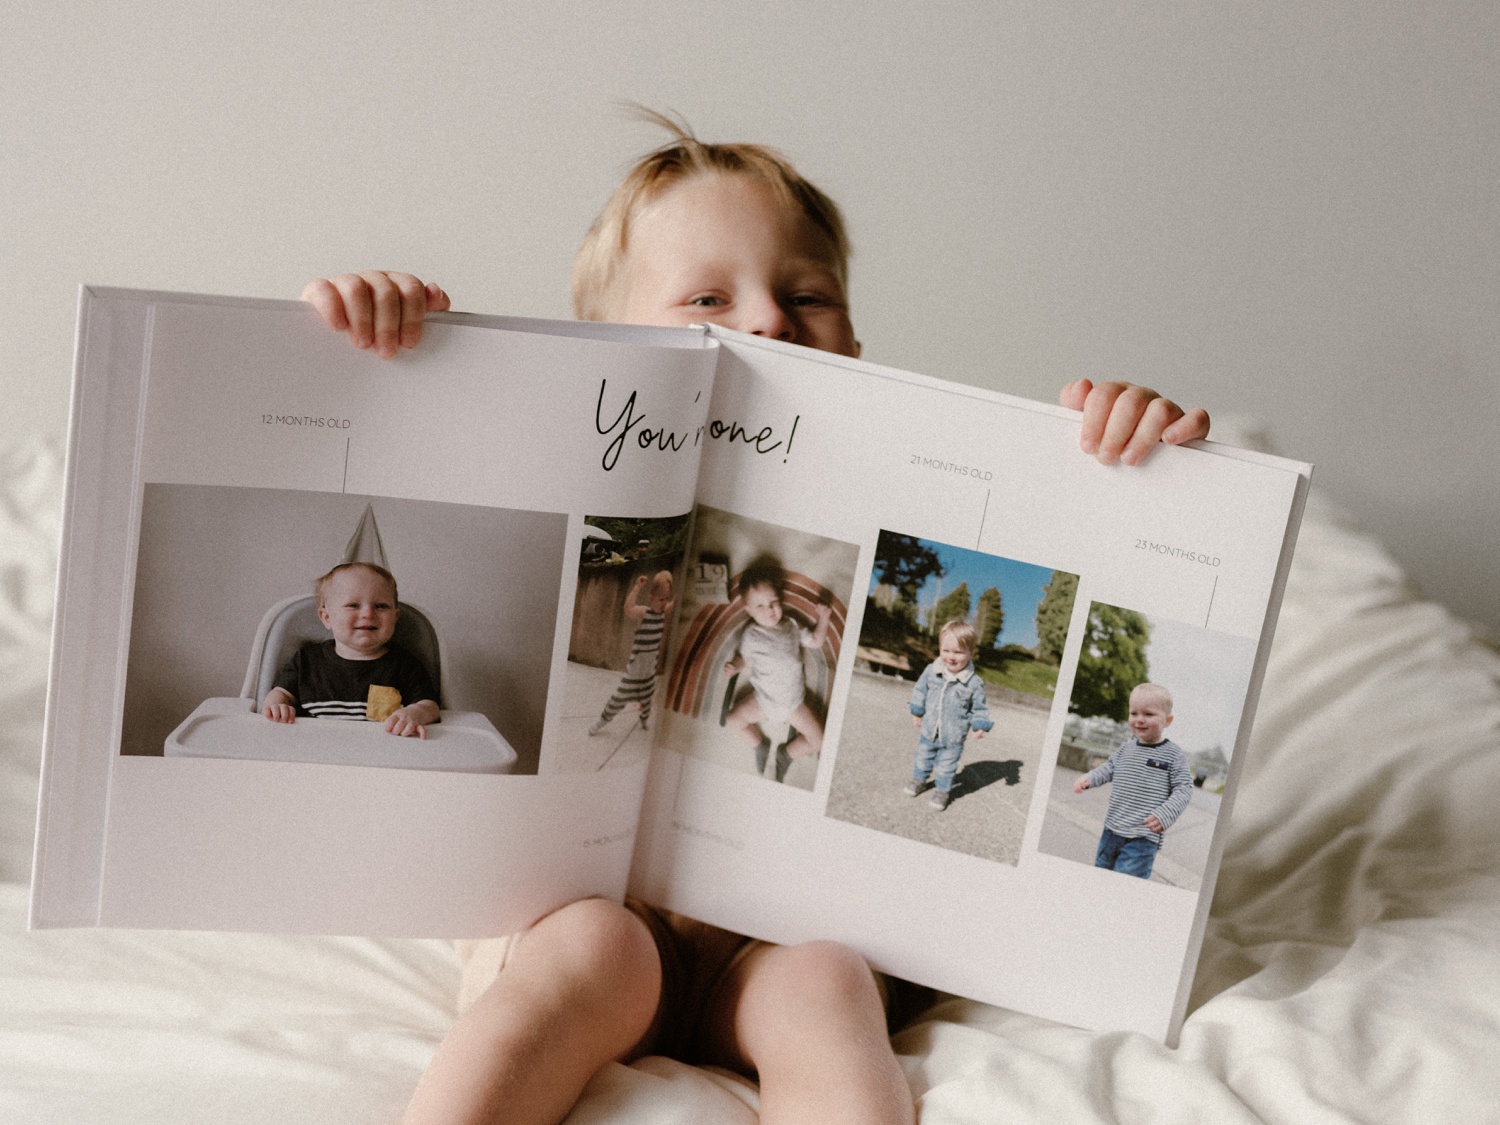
(1147, 779)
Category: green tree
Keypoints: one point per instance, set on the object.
(989, 618)
(905, 562)
(1111, 663)
(1053, 613)
(953, 604)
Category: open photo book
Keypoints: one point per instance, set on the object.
(791, 643)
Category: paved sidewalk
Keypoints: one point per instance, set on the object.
(573, 750)
(1074, 821)
(991, 794)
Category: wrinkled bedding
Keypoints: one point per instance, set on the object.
(1351, 971)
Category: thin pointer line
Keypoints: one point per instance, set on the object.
(1212, 591)
(344, 485)
(983, 515)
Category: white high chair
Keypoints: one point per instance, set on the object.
(232, 727)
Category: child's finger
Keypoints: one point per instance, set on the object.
(1159, 414)
(412, 307)
(1192, 426)
(324, 296)
(1127, 406)
(386, 300)
(1075, 394)
(358, 307)
(1097, 406)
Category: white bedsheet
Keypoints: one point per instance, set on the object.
(1351, 971)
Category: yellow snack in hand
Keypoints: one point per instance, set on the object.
(381, 703)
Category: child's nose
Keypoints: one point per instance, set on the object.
(765, 316)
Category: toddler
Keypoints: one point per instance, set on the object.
(638, 684)
(946, 703)
(360, 673)
(1152, 785)
(727, 233)
(770, 654)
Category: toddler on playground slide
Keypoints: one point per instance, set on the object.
(947, 702)
(360, 673)
(770, 654)
(729, 234)
(638, 684)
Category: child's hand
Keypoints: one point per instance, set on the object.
(916, 721)
(822, 612)
(980, 733)
(1153, 822)
(1081, 784)
(280, 706)
(732, 667)
(403, 723)
(1123, 422)
(380, 309)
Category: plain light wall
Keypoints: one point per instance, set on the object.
(1285, 210)
(213, 560)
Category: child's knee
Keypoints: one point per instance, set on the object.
(597, 940)
(827, 974)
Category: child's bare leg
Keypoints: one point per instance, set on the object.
(808, 1021)
(579, 990)
(745, 720)
(809, 738)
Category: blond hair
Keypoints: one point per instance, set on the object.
(1163, 696)
(596, 266)
(962, 633)
(320, 584)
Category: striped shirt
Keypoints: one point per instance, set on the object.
(1147, 779)
(327, 686)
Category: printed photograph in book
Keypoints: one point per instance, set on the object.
(1152, 721)
(322, 627)
(760, 626)
(629, 573)
(946, 720)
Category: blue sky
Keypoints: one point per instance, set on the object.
(1020, 585)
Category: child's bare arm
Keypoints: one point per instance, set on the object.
(634, 610)
(279, 706)
(1123, 422)
(412, 720)
(379, 309)
(820, 632)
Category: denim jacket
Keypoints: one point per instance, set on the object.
(950, 706)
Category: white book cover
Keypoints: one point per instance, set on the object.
(587, 523)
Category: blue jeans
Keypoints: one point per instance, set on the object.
(1129, 855)
(939, 760)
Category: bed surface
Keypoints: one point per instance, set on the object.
(1351, 971)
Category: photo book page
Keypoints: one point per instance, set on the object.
(224, 456)
(965, 613)
(790, 643)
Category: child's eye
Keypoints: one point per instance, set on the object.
(708, 301)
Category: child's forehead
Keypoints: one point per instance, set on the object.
(1150, 697)
(358, 578)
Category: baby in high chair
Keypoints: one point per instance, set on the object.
(360, 673)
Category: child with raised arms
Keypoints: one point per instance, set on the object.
(638, 684)
(770, 655)
(729, 234)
